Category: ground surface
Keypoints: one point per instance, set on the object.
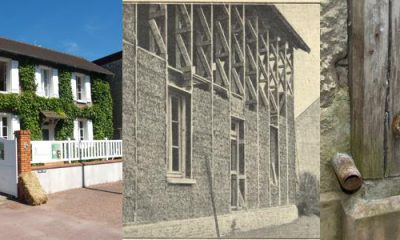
(304, 227)
(91, 213)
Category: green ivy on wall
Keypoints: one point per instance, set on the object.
(28, 105)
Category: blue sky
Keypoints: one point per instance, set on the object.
(86, 28)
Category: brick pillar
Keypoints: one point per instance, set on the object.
(24, 151)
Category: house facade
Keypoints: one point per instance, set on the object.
(113, 63)
(208, 118)
(54, 95)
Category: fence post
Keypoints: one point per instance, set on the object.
(107, 148)
(69, 152)
(24, 155)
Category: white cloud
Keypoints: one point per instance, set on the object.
(70, 46)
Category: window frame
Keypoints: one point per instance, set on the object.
(184, 138)
(237, 134)
(80, 83)
(7, 61)
(82, 130)
(43, 82)
(8, 120)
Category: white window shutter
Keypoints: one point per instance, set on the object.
(73, 86)
(14, 77)
(89, 129)
(54, 84)
(76, 130)
(38, 81)
(88, 92)
(15, 126)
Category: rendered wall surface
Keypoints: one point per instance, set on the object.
(62, 179)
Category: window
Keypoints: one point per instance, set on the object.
(46, 79)
(79, 88)
(179, 164)
(46, 82)
(238, 174)
(81, 130)
(3, 76)
(274, 155)
(4, 127)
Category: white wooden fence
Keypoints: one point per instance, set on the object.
(67, 151)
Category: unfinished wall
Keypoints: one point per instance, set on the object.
(149, 198)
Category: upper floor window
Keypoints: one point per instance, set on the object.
(3, 76)
(9, 76)
(81, 88)
(46, 80)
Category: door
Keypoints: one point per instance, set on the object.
(375, 89)
(8, 167)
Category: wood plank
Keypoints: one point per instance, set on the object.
(393, 143)
(157, 36)
(368, 69)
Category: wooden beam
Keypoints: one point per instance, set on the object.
(222, 37)
(185, 15)
(368, 68)
(238, 49)
(222, 73)
(236, 78)
(183, 50)
(251, 58)
(204, 22)
(204, 61)
(157, 36)
(251, 88)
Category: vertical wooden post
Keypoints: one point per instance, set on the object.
(393, 142)
(368, 71)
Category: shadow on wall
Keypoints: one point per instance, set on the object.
(307, 195)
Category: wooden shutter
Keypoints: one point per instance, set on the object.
(76, 129)
(14, 77)
(73, 86)
(14, 125)
(88, 92)
(38, 81)
(54, 84)
(89, 129)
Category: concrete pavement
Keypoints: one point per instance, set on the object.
(91, 213)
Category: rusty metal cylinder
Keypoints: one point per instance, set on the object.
(349, 177)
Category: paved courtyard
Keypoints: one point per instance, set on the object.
(90, 213)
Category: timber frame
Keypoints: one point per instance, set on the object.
(239, 52)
